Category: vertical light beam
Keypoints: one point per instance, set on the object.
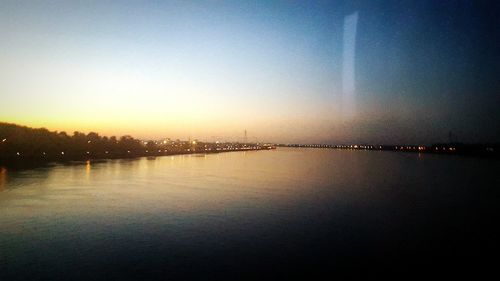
(348, 66)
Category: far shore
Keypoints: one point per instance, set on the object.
(26, 163)
(472, 150)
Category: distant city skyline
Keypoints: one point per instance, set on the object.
(274, 71)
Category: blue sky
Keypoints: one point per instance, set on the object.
(211, 69)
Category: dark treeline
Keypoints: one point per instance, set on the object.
(24, 144)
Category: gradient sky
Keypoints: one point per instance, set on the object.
(211, 69)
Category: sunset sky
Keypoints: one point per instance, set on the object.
(211, 69)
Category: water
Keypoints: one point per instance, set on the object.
(282, 213)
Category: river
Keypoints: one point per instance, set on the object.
(256, 214)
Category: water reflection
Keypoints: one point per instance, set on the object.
(3, 178)
(176, 211)
(87, 168)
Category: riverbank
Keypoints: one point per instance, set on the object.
(25, 146)
(33, 162)
(471, 150)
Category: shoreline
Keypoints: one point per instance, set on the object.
(478, 151)
(30, 162)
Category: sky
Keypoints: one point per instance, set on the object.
(285, 71)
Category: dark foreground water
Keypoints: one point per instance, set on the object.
(308, 213)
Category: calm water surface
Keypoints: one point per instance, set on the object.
(316, 212)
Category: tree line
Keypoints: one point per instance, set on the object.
(23, 142)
